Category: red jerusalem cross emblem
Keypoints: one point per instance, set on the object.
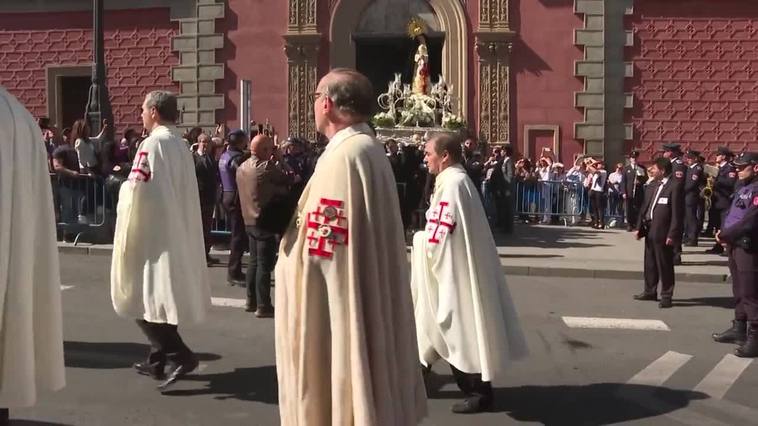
(327, 228)
(440, 223)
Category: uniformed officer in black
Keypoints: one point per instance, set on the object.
(660, 224)
(694, 181)
(740, 235)
(723, 188)
(673, 152)
(632, 189)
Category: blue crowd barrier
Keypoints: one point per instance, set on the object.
(566, 201)
(82, 205)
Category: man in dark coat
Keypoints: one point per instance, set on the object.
(694, 182)
(661, 226)
(632, 189)
(723, 188)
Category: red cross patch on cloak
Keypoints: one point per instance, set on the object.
(141, 169)
(327, 228)
(440, 222)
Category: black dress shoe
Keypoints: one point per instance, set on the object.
(472, 404)
(146, 369)
(677, 260)
(717, 249)
(629, 228)
(264, 312)
(211, 261)
(5, 416)
(178, 373)
(665, 303)
(646, 296)
(688, 244)
(737, 333)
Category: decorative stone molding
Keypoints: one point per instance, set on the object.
(302, 60)
(302, 16)
(198, 70)
(494, 51)
(493, 15)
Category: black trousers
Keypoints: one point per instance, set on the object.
(692, 222)
(166, 346)
(743, 267)
(262, 258)
(206, 214)
(472, 384)
(632, 207)
(715, 218)
(659, 266)
(238, 243)
(598, 207)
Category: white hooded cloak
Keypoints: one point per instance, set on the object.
(31, 337)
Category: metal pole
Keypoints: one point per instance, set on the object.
(98, 104)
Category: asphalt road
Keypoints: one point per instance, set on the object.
(574, 376)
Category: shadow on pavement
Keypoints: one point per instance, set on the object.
(716, 302)
(106, 355)
(551, 237)
(33, 423)
(245, 384)
(595, 404)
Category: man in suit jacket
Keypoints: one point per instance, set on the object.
(660, 222)
(632, 191)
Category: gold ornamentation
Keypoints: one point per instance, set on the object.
(416, 27)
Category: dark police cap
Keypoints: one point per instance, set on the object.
(634, 154)
(236, 135)
(693, 154)
(746, 158)
(722, 150)
(673, 147)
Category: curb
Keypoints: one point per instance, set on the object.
(532, 271)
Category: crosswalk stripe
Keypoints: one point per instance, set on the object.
(66, 287)
(660, 370)
(616, 323)
(227, 302)
(722, 377)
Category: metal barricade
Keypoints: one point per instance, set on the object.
(83, 206)
(546, 201)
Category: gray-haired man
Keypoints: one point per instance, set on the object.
(158, 274)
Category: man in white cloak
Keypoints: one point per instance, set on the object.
(344, 322)
(31, 336)
(158, 271)
(463, 309)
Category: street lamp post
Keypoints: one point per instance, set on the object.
(98, 104)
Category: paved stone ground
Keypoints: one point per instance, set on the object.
(541, 250)
(574, 376)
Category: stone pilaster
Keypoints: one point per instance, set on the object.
(302, 42)
(493, 47)
(198, 70)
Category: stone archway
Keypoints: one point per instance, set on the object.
(452, 17)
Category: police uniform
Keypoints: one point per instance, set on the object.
(723, 188)
(678, 174)
(632, 188)
(694, 181)
(228, 163)
(740, 233)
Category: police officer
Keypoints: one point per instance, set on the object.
(740, 234)
(694, 181)
(723, 188)
(673, 152)
(227, 165)
(632, 189)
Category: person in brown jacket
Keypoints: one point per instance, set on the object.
(262, 182)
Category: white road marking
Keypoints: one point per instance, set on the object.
(616, 323)
(660, 370)
(722, 377)
(66, 287)
(201, 367)
(227, 302)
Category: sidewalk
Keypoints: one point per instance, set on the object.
(561, 252)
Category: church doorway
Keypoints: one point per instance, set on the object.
(383, 46)
(381, 57)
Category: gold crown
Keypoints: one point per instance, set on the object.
(416, 27)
